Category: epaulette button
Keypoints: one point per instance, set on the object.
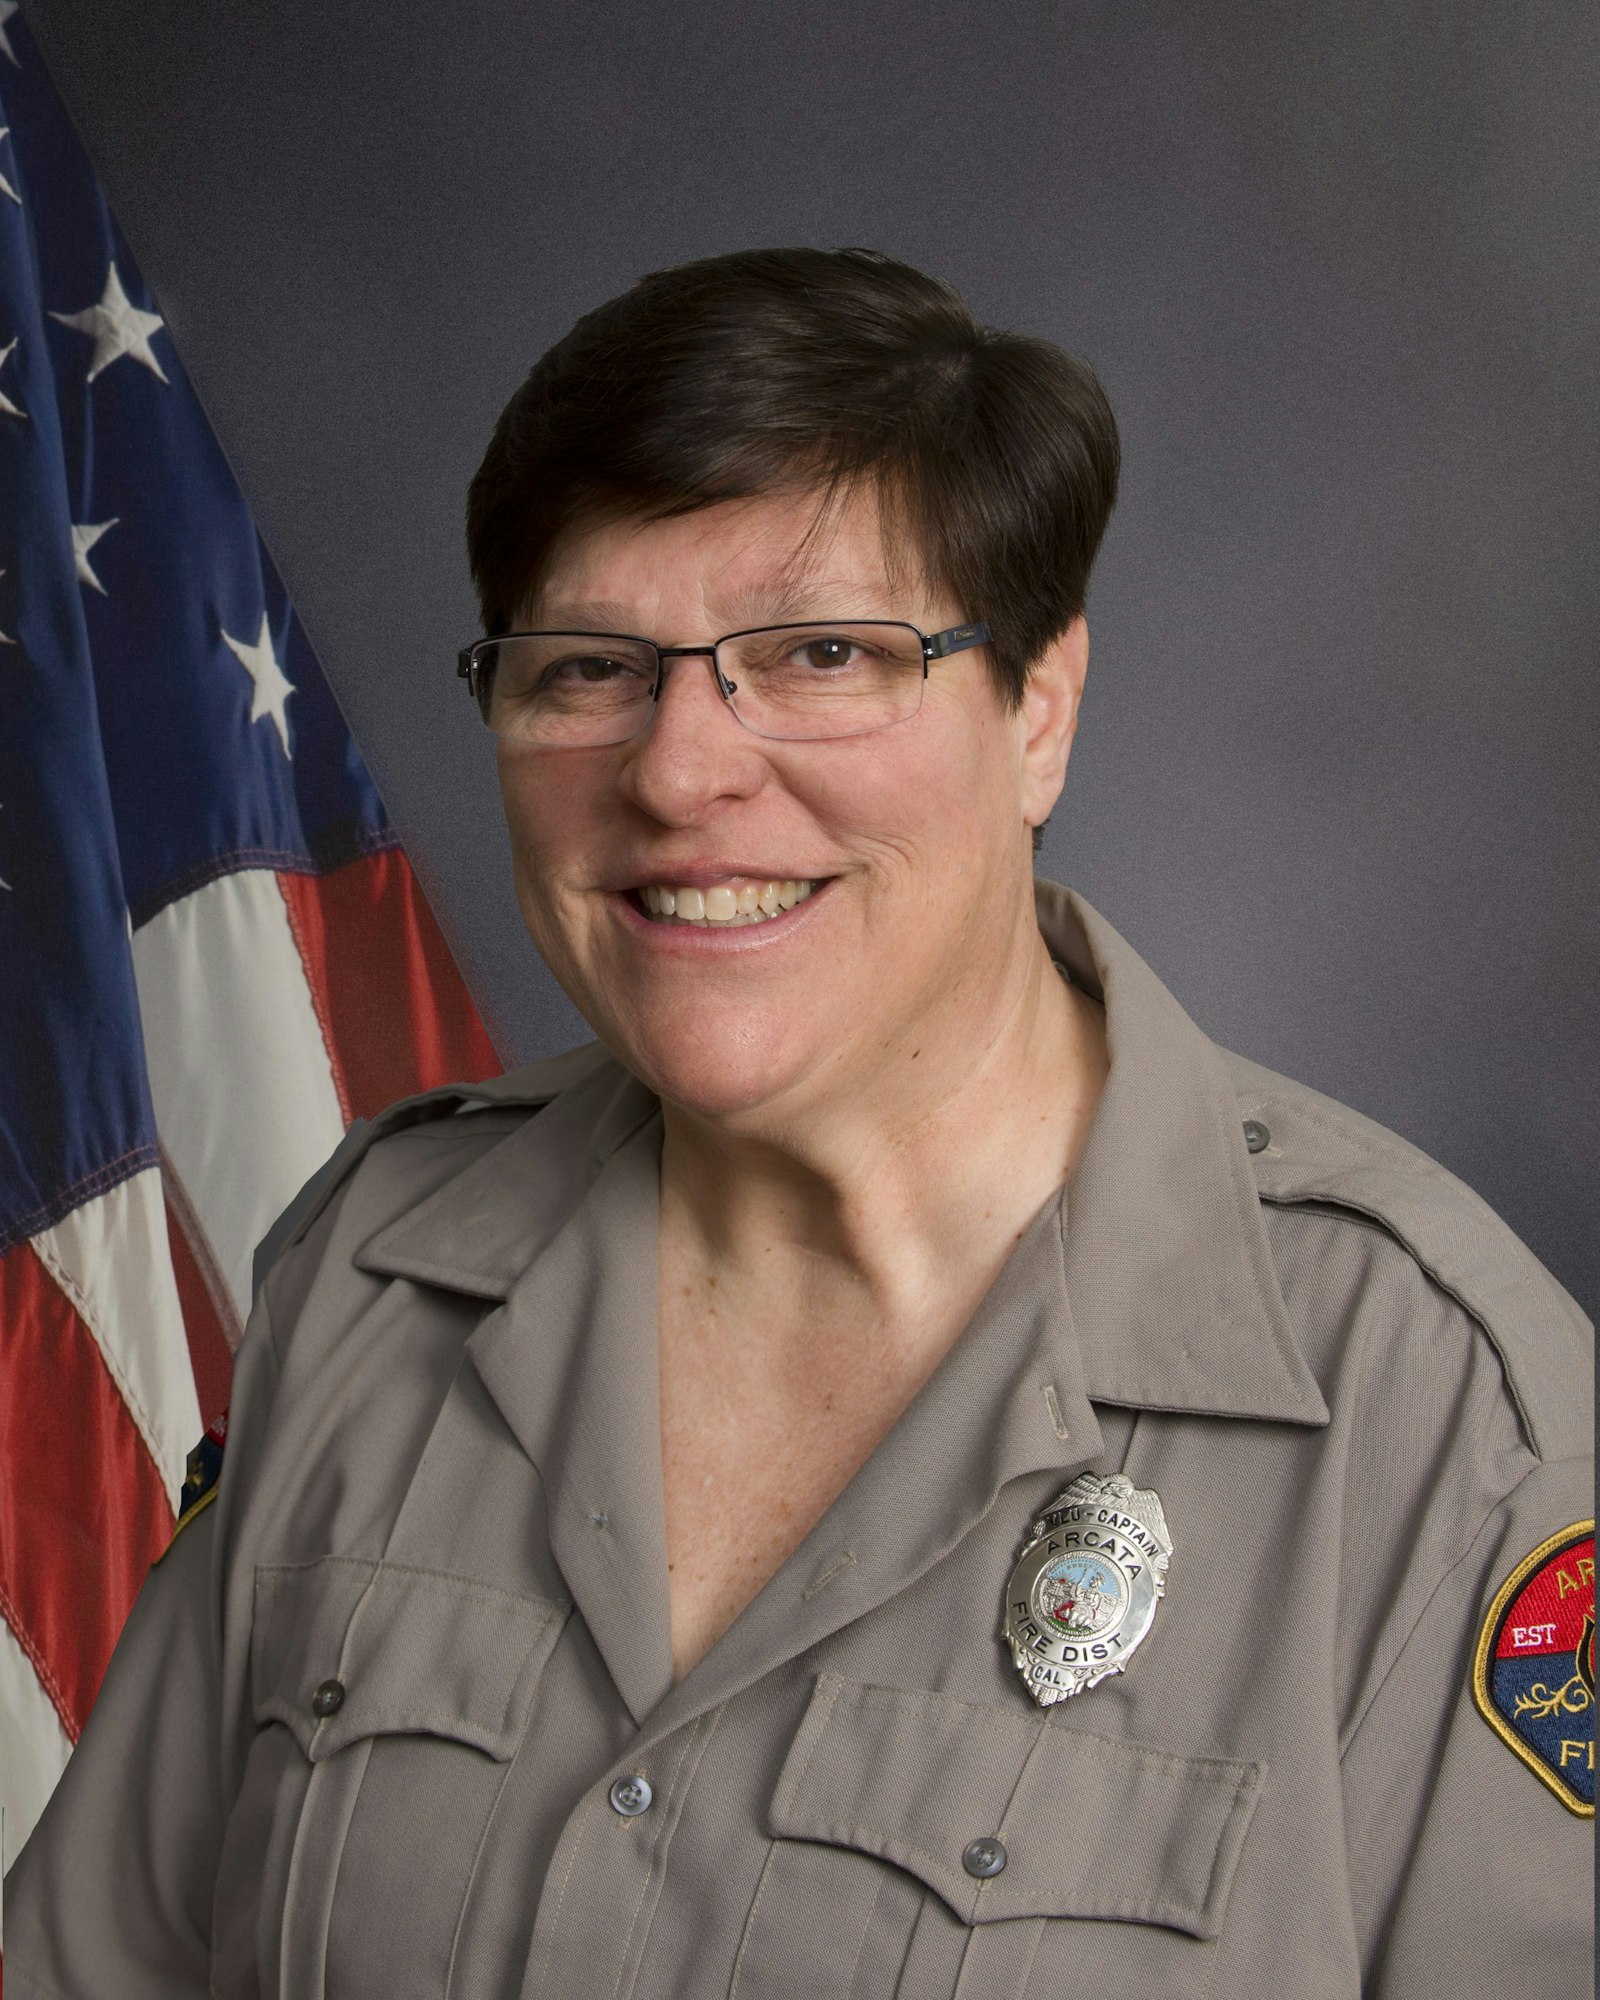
(328, 1698)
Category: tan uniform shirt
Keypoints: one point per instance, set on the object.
(364, 1731)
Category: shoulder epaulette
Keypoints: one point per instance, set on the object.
(529, 1088)
(1314, 1149)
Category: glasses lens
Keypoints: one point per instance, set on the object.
(565, 687)
(808, 681)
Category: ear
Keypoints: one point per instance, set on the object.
(1048, 719)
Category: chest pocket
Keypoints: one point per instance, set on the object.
(347, 1648)
(1118, 1856)
(403, 1694)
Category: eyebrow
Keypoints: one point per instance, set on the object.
(594, 614)
(763, 601)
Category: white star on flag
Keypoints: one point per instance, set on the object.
(83, 540)
(5, 637)
(272, 688)
(5, 185)
(7, 407)
(7, 9)
(116, 326)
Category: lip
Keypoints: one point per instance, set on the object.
(692, 939)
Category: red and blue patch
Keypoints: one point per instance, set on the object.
(202, 1470)
(1533, 1674)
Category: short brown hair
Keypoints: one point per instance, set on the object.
(768, 369)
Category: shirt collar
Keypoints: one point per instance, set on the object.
(1174, 1300)
(1173, 1290)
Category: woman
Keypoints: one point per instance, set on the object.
(653, 1479)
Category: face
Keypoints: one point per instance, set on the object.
(903, 857)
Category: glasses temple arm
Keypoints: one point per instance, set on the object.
(956, 640)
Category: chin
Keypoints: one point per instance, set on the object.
(714, 1072)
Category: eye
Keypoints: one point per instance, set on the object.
(586, 669)
(828, 651)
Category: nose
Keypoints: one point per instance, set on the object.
(694, 750)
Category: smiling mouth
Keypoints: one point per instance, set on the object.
(724, 905)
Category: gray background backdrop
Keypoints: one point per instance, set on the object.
(1336, 264)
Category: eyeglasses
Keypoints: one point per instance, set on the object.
(796, 683)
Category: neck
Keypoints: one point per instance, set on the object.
(885, 1205)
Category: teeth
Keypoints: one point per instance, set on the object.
(723, 904)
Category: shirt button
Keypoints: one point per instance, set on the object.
(328, 1699)
(1256, 1136)
(631, 1795)
(984, 1857)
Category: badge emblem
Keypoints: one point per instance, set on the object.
(1533, 1672)
(1086, 1585)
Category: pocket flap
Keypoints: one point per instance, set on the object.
(412, 1650)
(1093, 1826)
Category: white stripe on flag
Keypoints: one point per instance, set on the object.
(33, 1745)
(244, 1094)
(110, 1258)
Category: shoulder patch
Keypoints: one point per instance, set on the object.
(1533, 1673)
(202, 1471)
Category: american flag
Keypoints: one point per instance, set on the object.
(213, 953)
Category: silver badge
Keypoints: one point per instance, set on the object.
(1086, 1585)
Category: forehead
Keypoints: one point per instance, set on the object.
(740, 562)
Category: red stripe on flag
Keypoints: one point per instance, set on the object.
(307, 923)
(199, 1288)
(395, 1011)
(83, 1510)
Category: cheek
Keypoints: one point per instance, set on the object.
(936, 792)
(549, 816)
(549, 801)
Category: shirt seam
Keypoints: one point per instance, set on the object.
(750, 1919)
(1374, 1219)
(1167, 1911)
(585, 1816)
(1478, 1533)
(472, 1875)
(1207, 1769)
(657, 1863)
(269, 1573)
(866, 1931)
